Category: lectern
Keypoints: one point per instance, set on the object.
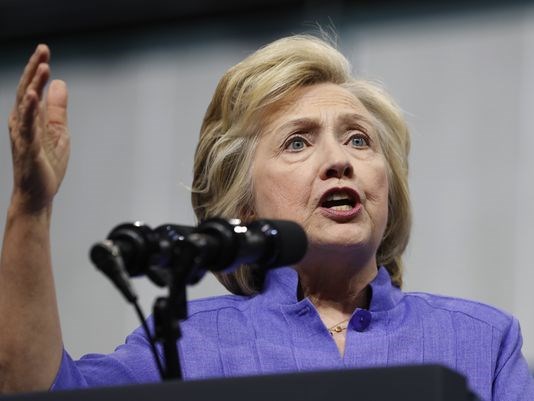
(411, 383)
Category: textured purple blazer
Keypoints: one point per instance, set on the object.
(274, 332)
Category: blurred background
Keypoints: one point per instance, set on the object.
(141, 75)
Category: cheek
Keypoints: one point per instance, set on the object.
(378, 190)
(278, 194)
(383, 186)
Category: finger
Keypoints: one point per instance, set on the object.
(28, 109)
(42, 74)
(27, 116)
(56, 102)
(40, 55)
(38, 83)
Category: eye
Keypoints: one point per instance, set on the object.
(295, 144)
(359, 141)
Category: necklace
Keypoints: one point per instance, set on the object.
(337, 328)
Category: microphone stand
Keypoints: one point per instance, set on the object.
(169, 311)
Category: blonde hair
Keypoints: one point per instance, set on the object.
(222, 182)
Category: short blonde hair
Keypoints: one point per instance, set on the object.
(222, 182)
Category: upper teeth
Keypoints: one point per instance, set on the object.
(337, 196)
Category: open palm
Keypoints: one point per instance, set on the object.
(39, 135)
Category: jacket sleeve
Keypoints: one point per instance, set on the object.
(130, 363)
(513, 379)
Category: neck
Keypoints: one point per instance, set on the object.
(337, 286)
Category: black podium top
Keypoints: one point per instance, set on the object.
(411, 383)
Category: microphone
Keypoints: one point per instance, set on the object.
(107, 258)
(223, 245)
(214, 245)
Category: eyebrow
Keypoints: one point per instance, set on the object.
(298, 122)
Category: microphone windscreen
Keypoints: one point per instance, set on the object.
(289, 241)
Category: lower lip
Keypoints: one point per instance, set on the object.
(342, 215)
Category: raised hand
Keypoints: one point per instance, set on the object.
(39, 136)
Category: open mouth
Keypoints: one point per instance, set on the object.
(340, 199)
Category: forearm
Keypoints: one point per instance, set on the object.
(30, 338)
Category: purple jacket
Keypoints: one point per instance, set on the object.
(274, 332)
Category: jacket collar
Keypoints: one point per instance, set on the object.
(281, 286)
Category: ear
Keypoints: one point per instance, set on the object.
(247, 214)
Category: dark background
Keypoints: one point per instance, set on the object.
(27, 20)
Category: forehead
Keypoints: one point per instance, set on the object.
(312, 101)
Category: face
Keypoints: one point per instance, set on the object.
(319, 163)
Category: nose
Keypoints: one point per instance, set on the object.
(337, 163)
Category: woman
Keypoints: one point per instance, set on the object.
(289, 134)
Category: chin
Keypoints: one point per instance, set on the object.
(341, 234)
(342, 242)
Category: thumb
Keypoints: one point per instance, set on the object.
(56, 102)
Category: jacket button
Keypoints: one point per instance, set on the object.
(361, 320)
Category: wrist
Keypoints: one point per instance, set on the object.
(19, 208)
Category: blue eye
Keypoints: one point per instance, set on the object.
(295, 144)
(359, 141)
